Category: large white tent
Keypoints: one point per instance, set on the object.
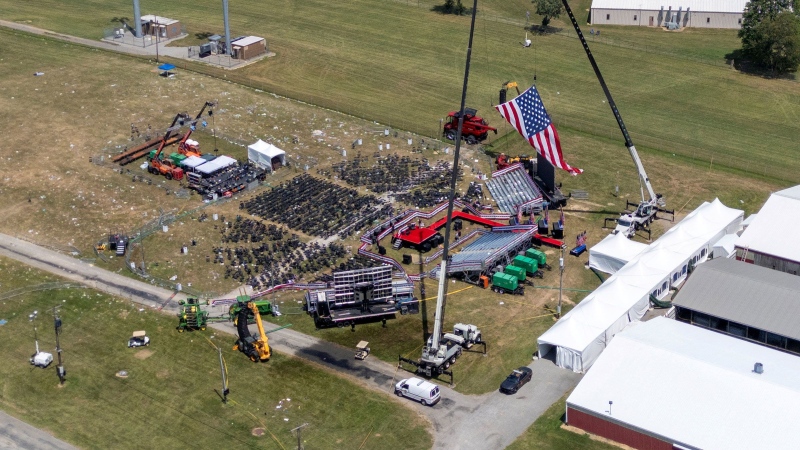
(582, 334)
(613, 252)
(263, 154)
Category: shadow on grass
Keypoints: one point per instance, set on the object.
(741, 63)
(538, 29)
(441, 9)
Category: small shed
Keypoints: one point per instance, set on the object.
(266, 155)
(163, 27)
(248, 47)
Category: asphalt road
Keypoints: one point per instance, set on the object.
(490, 421)
(16, 434)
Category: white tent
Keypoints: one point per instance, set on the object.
(193, 162)
(263, 154)
(725, 247)
(582, 334)
(613, 252)
(588, 328)
(218, 163)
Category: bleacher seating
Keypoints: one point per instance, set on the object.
(512, 188)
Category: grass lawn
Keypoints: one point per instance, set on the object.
(168, 399)
(360, 56)
(546, 434)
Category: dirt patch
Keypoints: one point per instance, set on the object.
(593, 437)
(258, 432)
(161, 374)
(143, 354)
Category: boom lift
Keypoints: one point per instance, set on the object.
(256, 347)
(184, 147)
(442, 349)
(646, 210)
(166, 167)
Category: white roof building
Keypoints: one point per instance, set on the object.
(673, 15)
(675, 385)
(581, 335)
(769, 240)
(247, 40)
(158, 19)
(724, 6)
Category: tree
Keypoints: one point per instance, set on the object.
(448, 6)
(453, 7)
(775, 43)
(548, 9)
(460, 9)
(757, 10)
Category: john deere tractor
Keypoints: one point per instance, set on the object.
(191, 316)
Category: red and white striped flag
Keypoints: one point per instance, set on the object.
(527, 115)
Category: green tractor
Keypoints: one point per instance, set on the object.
(264, 307)
(191, 316)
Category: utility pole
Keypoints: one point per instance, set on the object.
(299, 440)
(158, 32)
(32, 318)
(225, 390)
(560, 280)
(62, 374)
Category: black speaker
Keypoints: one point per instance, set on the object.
(406, 259)
(502, 96)
(558, 233)
(457, 224)
(381, 250)
(542, 227)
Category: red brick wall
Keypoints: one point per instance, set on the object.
(617, 433)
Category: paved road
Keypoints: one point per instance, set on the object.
(175, 52)
(16, 434)
(489, 421)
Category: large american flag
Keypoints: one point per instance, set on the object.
(527, 115)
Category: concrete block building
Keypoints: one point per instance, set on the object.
(659, 13)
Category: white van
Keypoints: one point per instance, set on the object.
(423, 391)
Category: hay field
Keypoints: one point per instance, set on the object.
(401, 64)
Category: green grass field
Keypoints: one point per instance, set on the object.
(546, 434)
(168, 399)
(411, 58)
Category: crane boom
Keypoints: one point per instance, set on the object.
(441, 296)
(645, 181)
(193, 123)
(168, 134)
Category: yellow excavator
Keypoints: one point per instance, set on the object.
(255, 346)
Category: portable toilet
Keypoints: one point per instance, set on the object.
(518, 272)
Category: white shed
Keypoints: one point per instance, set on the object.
(266, 155)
